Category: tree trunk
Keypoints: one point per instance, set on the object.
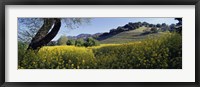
(42, 40)
(48, 23)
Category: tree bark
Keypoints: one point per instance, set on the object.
(48, 23)
(44, 40)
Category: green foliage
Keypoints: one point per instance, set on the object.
(21, 50)
(70, 42)
(158, 25)
(164, 52)
(79, 42)
(91, 42)
(62, 40)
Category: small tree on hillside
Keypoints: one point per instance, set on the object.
(158, 25)
(172, 27)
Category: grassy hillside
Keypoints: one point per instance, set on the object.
(128, 36)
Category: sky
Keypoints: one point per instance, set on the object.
(99, 25)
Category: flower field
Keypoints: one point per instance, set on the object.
(164, 52)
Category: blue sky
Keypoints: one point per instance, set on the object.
(99, 25)
(105, 24)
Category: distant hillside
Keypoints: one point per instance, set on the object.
(128, 32)
(129, 36)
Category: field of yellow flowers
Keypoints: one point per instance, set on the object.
(164, 52)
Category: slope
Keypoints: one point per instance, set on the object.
(128, 36)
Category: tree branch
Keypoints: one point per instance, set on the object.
(46, 39)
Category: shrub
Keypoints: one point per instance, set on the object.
(79, 42)
(70, 42)
(91, 42)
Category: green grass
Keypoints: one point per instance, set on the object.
(128, 36)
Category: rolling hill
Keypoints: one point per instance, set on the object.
(128, 36)
(128, 33)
